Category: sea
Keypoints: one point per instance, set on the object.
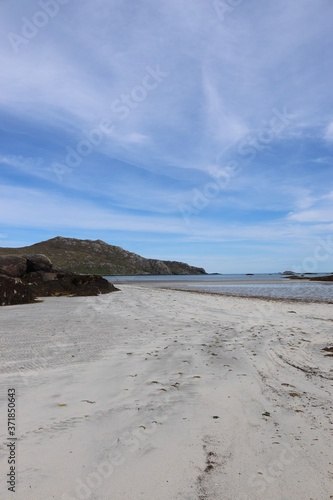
(275, 286)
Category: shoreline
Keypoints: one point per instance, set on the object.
(257, 297)
(188, 395)
(155, 285)
(199, 287)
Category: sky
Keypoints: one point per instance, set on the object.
(193, 130)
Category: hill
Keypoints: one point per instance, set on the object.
(98, 257)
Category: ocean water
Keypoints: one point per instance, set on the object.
(258, 285)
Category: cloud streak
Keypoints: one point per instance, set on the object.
(225, 76)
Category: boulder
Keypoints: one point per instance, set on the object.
(14, 291)
(88, 284)
(13, 265)
(38, 262)
(322, 278)
(58, 283)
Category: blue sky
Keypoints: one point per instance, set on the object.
(197, 130)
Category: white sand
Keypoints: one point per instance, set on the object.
(157, 366)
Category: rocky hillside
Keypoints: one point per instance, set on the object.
(97, 257)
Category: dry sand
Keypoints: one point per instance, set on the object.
(160, 394)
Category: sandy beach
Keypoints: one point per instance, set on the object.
(152, 394)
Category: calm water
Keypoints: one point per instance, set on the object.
(258, 285)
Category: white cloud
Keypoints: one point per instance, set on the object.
(312, 209)
(329, 133)
(324, 160)
(30, 165)
(225, 79)
(222, 123)
(32, 208)
(243, 73)
(312, 216)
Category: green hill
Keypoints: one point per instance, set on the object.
(98, 257)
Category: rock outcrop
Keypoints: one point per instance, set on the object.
(14, 291)
(16, 265)
(322, 278)
(13, 265)
(182, 268)
(58, 283)
(23, 279)
(38, 262)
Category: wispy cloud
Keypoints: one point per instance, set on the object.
(224, 80)
(312, 216)
(329, 132)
